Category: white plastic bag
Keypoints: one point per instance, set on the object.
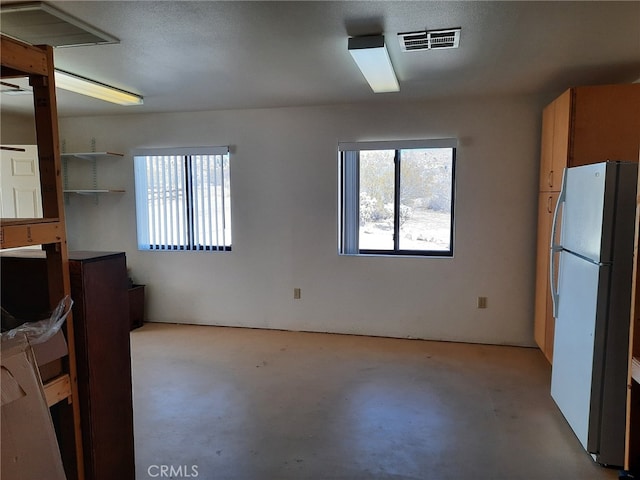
(43, 330)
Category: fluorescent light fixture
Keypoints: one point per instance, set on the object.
(91, 88)
(370, 54)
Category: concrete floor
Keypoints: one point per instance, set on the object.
(240, 404)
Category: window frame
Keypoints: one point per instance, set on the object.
(349, 196)
(185, 239)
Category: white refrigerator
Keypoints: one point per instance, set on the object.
(592, 303)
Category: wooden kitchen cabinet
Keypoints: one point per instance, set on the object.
(605, 124)
(544, 329)
(555, 142)
(584, 125)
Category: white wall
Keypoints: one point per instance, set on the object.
(17, 129)
(284, 181)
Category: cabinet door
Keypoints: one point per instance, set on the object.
(99, 288)
(546, 148)
(543, 316)
(556, 124)
(605, 124)
(561, 138)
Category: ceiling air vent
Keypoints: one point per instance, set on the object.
(39, 23)
(429, 40)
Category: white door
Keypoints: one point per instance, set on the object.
(20, 183)
(572, 375)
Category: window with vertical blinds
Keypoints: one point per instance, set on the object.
(183, 199)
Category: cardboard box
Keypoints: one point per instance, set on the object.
(29, 445)
(48, 355)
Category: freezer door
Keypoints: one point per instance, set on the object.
(575, 377)
(589, 202)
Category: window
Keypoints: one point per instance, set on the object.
(183, 199)
(396, 198)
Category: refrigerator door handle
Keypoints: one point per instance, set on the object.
(554, 247)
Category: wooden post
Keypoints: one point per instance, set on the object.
(46, 120)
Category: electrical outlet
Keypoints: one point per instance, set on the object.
(296, 293)
(482, 302)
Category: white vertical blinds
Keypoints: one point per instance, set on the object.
(350, 203)
(183, 199)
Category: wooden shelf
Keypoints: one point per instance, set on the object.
(11, 222)
(25, 232)
(57, 389)
(12, 149)
(20, 59)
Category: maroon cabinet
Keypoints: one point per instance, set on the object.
(99, 288)
(136, 306)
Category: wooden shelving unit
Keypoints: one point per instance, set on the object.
(36, 63)
(22, 232)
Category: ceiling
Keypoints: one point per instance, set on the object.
(209, 55)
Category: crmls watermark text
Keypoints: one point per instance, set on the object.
(172, 471)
